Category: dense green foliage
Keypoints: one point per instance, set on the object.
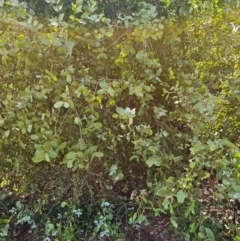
(105, 122)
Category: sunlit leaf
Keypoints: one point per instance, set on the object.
(154, 161)
(71, 155)
(181, 195)
(59, 104)
(39, 156)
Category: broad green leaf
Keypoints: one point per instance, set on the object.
(115, 115)
(70, 163)
(154, 161)
(111, 91)
(197, 147)
(145, 15)
(57, 42)
(71, 155)
(52, 154)
(212, 145)
(181, 195)
(225, 143)
(62, 145)
(54, 143)
(80, 165)
(47, 146)
(101, 91)
(200, 235)
(66, 104)
(120, 111)
(39, 156)
(63, 204)
(210, 234)
(58, 104)
(236, 188)
(80, 154)
(174, 223)
(97, 125)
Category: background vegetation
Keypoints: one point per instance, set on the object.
(114, 112)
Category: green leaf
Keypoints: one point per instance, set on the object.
(210, 234)
(80, 165)
(174, 223)
(181, 195)
(70, 163)
(197, 147)
(54, 144)
(47, 146)
(115, 115)
(39, 156)
(66, 104)
(71, 155)
(58, 104)
(225, 143)
(47, 158)
(63, 204)
(97, 125)
(212, 145)
(103, 85)
(111, 91)
(62, 145)
(154, 161)
(57, 42)
(200, 235)
(80, 154)
(52, 154)
(120, 111)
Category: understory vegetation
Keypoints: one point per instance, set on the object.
(110, 118)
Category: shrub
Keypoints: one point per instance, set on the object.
(96, 114)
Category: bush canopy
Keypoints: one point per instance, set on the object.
(104, 123)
